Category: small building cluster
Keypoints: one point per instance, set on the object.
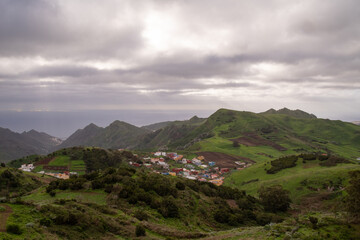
(60, 175)
(27, 167)
(177, 165)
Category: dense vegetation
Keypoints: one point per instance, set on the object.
(93, 158)
(171, 197)
(353, 197)
(282, 163)
(15, 183)
(290, 161)
(120, 201)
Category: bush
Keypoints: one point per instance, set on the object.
(274, 198)
(141, 215)
(314, 222)
(169, 209)
(45, 222)
(222, 216)
(180, 186)
(14, 229)
(282, 163)
(52, 193)
(352, 202)
(140, 231)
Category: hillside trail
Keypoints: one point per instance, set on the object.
(4, 215)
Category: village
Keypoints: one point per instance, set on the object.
(166, 163)
(60, 174)
(195, 169)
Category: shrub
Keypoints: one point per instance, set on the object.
(352, 202)
(314, 222)
(282, 163)
(169, 209)
(140, 231)
(222, 216)
(274, 198)
(52, 193)
(180, 186)
(45, 222)
(141, 215)
(14, 229)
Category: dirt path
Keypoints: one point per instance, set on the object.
(4, 216)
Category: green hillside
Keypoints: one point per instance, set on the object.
(15, 183)
(169, 134)
(111, 203)
(77, 159)
(261, 135)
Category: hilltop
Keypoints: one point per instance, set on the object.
(292, 113)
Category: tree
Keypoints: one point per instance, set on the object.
(13, 228)
(140, 231)
(274, 198)
(352, 201)
(236, 144)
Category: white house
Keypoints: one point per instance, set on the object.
(27, 167)
(157, 154)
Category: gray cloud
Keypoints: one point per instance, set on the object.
(250, 55)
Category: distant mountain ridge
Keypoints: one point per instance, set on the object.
(284, 130)
(117, 135)
(15, 145)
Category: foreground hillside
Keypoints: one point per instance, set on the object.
(114, 202)
(126, 203)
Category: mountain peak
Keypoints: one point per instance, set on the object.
(194, 118)
(91, 126)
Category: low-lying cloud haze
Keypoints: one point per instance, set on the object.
(78, 58)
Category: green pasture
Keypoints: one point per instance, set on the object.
(60, 161)
(41, 197)
(290, 178)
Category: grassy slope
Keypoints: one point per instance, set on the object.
(293, 133)
(289, 178)
(91, 196)
(25, 182)
(297, 135)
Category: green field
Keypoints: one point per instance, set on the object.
(60, 161)
(92, 196)
(290, 178)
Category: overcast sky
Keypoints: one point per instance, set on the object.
(186, 56)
